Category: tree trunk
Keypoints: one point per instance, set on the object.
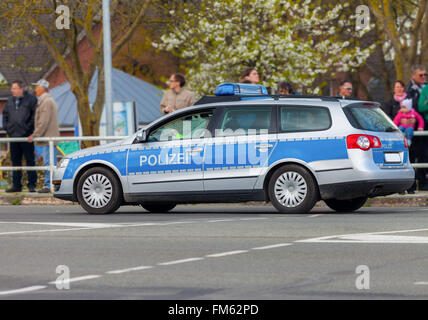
(88, 119)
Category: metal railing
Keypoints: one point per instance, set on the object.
(52, 162)
(51, 142)
(424, 164)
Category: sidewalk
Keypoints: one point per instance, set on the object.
(30, 198)
(419, 199)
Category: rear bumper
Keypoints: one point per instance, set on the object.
(369, 188)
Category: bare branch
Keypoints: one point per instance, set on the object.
(119, 44)
(56, 54)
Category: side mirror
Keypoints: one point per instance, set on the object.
(142, 136)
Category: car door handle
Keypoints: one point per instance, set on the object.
(195, 150)
(264, 146)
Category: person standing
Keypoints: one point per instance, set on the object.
(46, 125)
(392, 106)
(418, 150)
(18, 121)
(345, 89)
(417, 82)
(285, 88)
(177, 97)
(423, 102)
(250, 75)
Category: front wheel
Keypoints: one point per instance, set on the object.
(346, 205)
(292, 189)
(158, 207)
(99, 191)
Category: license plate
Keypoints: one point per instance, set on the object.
(392, 157)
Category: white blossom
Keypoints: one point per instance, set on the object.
(282, 39)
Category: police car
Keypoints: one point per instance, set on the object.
(245, 145)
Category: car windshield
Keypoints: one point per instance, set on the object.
(369, 118)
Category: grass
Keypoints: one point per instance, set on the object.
(16, 202)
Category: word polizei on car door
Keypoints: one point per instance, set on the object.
(245, 145)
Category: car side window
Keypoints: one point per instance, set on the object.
(245, 121)
(191, 126)
(301, 118)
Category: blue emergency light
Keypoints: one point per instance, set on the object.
(240, 89)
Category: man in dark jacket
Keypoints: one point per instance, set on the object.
(418, 150)
(417, 82)
(18, 121)
(345, 90)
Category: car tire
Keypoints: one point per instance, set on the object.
(346, 205)
(99, 191)
(158, 207)
(292, 189)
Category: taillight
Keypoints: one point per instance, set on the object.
(362, 141)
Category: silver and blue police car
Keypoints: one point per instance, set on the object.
(245, 145)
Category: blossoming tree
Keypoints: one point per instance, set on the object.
(283, 39)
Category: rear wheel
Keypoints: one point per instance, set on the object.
(99, 191)
(158, 207)
(292, 189)
(346, 205)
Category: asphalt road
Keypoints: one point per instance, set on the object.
(213, 252)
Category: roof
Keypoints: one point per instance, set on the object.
(26, 63)
(232, 98)
(125, 88)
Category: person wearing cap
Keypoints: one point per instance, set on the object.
(46, 125)
(18, 121)
(406, 119)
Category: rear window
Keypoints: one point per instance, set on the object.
(369, 118)
(301, 118)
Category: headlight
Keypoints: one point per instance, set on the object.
(63, 163)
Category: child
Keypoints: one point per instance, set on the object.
(406, 119)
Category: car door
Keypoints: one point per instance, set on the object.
(244, 139)
(171, 159)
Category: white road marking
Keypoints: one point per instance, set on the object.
(72, 224)
(421, 283)
(315, 215)
(168, 263)
(90, 226)
(372, 237)
(179, 222)
(273, 246)
(121, 271)
(77, 226)
(223, 254)
(83, 278)
(43, 231)
(23, 290)
(129, 270)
